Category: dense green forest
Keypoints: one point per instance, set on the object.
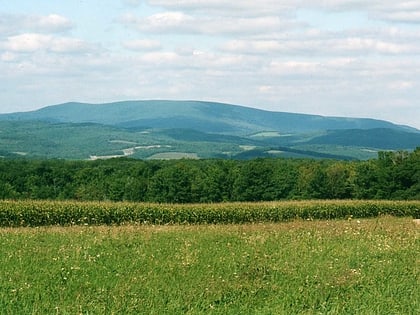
(393, 175)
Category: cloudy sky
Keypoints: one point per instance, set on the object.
(331, 57)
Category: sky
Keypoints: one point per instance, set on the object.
(348, 58)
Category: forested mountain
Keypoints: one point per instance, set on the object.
(202, 116)
(192, 129)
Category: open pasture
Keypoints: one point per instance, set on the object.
(351, 266)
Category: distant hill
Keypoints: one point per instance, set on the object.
(156, 128)
(202, 116)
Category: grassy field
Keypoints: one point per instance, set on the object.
(357, 266)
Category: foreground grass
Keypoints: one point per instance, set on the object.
(367, 266)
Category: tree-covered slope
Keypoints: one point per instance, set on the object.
(386, 139)
(173, 129)
(38, 139)
(203, 116)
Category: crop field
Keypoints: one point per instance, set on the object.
(42, 213)
(352, 266)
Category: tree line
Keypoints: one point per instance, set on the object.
(393, 175)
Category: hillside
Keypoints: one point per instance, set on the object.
(202, 116)
(193, 129)
(388, 139)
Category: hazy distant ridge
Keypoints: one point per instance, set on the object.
(202, 116)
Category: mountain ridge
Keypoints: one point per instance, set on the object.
(159, 113)
(199, 129)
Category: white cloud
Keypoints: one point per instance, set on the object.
(388, 10)
(230, 8)
(51, 23)
(142, 44)
(294, 67)
(162, 22)
(70, 45)
(317, 43)
(8, 57)
(397, 11)
(179, 22)
(27, 42)
(401, 16)
(33, 42)
(161, 59)
(369, 45)
(401, 85)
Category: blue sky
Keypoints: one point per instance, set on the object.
(330, 57)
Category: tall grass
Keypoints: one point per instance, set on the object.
(354, 266)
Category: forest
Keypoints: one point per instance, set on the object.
(392, 175)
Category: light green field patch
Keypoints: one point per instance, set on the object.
(173, 156)
(247, 147)
(267, 134)
(370, 151)
(275, 152)
(148, 147)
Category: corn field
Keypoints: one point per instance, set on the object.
(64, 213)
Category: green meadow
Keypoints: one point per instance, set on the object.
(353, 266)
